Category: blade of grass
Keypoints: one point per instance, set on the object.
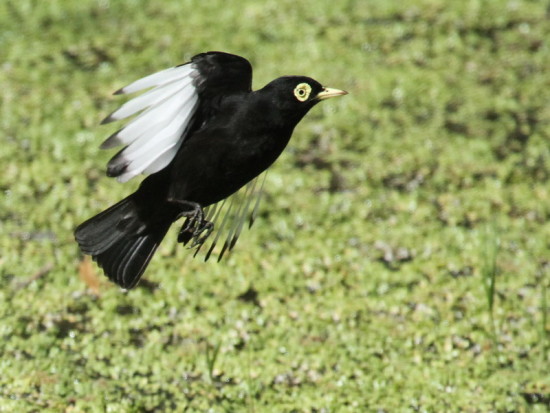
(489, 270)
(544, 331)
(211, 354)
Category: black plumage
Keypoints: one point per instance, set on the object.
(202, 134)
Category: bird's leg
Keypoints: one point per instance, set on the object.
(190, 210)
(195, 224)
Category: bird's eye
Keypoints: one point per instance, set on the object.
(302, 92)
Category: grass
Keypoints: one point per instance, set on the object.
(489, 273)
(363, 284)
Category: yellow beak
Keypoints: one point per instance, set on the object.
(330, 93)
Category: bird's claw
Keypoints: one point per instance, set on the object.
(195, 227)
(196, 231)
(206, 228)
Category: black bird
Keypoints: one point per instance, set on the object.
(202, 135)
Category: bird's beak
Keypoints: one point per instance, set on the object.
(328, 92)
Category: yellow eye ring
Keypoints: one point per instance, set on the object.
(302, 92)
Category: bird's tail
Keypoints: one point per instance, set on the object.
(122, 240)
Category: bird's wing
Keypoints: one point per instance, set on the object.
(164, 116)
(179, 101)
(230, 216)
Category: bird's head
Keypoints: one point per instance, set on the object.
(294, 96)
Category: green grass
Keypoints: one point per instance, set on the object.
(379, 283)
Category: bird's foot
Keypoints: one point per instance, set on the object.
(196, 227)
(201, 234)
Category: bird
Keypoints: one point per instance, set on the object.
(203, 137)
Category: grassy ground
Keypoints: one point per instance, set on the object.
(401, 261)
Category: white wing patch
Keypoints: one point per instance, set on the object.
(230, 216)
(154, 136)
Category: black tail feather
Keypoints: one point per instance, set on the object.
(121, 242)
